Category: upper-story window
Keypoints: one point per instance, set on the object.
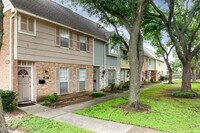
(113, 50)
(27, 25)
(149, 61)
(125, 55)
(83, 43)
(62, 38)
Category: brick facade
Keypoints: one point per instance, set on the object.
(50, 86)
(5, 54)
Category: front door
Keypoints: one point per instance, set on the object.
(96, 79)
(24, 83)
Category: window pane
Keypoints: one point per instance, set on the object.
(114, 50)
(82, 39)
(63, 80)
(83, 46)
(64, 42)
(23, 27)
(64, 34)
(31, 25)
(82, 75)
(63, 87)
(82, 85)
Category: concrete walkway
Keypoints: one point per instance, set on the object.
(99, 126)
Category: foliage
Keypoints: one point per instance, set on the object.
(51, 99)
(162, 78)
(100, 94)
(9, 100)
(35, 124)
(181, 94)
(114, 86)
(125, 85)
(165, 111)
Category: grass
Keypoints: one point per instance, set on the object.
(35, 124)
(176, 115)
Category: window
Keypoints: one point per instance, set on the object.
(62, 38)
(63, 78)
(125, 55)
(111, 76)
(27, 25)
(82, 79)
(114, 50)
(149, 61)
(83, 43)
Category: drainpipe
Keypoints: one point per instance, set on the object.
(11, 29)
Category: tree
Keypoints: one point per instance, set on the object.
(127, 14)
(194, 66)
(154, 32)
(3, 128)
(181, 19)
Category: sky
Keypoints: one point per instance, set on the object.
(84, 13)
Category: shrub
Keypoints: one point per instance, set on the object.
(181, 94)
(100, 94)
(51, 99)
(146, 83)
(9, 100)
(113, 86)
(162, 78)
(125, 85)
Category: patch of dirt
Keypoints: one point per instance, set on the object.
(66, 100)
(17, 114)
(132, 109)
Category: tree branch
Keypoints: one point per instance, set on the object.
(193, 36)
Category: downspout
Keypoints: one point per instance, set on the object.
(11, 29)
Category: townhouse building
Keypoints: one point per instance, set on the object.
(47, 48)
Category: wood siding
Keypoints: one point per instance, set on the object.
(42, 47)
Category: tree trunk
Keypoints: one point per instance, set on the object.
(194, 74)
(170, 70)
(170, 76)
(186, 77)
(136, 62)
(3, 128)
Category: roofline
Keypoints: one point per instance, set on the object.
(45, 19)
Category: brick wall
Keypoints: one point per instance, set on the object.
(5, 54)
(50, 86)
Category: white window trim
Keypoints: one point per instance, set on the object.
(85, 80)
(19, 25)
(67, 81)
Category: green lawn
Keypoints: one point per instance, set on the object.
(167, 114)
(34, 124)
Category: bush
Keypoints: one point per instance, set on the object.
(125, 85)
(146, 83)
(51, 99)
(113, 86)
(100, 94)
(162, 78)
(9, 100)
(181, 94)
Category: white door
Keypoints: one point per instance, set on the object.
(24, 83)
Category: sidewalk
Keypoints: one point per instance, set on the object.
(99, 126)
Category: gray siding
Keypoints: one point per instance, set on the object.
(42, 47)
(101, 56)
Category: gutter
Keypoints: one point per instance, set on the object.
(11, 29)
(45, 19)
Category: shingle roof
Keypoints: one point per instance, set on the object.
(60, 14)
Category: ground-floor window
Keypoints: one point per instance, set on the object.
(64, 80)
(82, 79)
(111, 76)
